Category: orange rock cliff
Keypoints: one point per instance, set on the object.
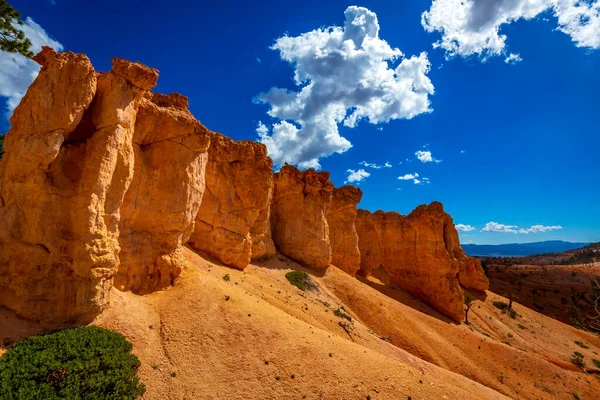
(104, 182)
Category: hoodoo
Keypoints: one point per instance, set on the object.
(341, 219)
(299, 216)
(233, 222)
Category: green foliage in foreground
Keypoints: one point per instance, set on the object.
(300, 279)
(80, 363)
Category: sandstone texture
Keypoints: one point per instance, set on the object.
(342, 230)
(233, 221)
(421, 254)
(157, 217)
(301, 200)
(95, 179)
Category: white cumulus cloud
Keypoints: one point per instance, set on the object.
(374, 165)
(344, 75)
(17, 72)
(356, 176)
(496, 227)
(472, 27)
(464, 228)
(425, 156)
(539, 229)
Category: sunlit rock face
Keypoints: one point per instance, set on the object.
(420, 253)
(233, 222)
(96, 182)
(299, 209)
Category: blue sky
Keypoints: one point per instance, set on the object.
(517, 142)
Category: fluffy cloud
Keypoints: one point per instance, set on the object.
(356, 176)
(539, 229)
(375, 166)
(18, 72)
(408, 177)
(415, 178)
(425, 156)
(344, 75)
(496, 227)
(472, 27)
(464, 228)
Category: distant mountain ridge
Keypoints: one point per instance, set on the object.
(521, 249)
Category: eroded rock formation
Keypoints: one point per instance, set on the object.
(342, 230)
(157, 217)
(420, 253)
(95, 179)
(301, 200)
(103, 182)
(233, 222)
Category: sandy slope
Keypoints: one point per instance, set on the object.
(233, 339)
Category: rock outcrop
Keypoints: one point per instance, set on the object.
(341, 219)
(95, 179)
(419, 253)
(232, 224)
(301, 200)
(157, 217)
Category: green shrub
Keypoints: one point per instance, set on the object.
(226, 278)
(86, 362)
(341, 314)
(577, 359)
(596, 362)
(512, 313)
(500, 305)
(581, 344)
(300, 279)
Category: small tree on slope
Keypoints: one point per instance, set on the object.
(468, 301)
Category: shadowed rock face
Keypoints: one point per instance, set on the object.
(342, 231)
(232, 224)
(421, 254)
(299, 216)
(95, 179)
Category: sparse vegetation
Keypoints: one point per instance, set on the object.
(300, 279)
(578, 359)
(500, 305)
(581, 344)
(226, 278)
(521, 326)
(86, 362)
(341, 314)
(576, 395)
(596, 362)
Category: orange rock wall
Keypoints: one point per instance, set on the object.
(232, 224)
(420, 253)
(299, 216)
(341, 219)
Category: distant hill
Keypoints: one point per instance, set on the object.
(520, 249)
